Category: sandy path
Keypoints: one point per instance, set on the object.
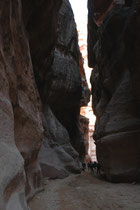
(84, 192)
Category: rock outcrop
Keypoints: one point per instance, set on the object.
(39, 102)
(57, 156)
(20, 119)
(64, 97)
(84, 126)
(85, 89)
(57, 72)
(114, 53)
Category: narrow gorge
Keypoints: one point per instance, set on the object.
(43, 86)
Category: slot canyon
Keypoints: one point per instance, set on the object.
(53, 119)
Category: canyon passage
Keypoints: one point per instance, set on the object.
(47, 104)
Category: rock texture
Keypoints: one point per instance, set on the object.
(20, 121)
(64, 97)
(85, 89)
(40, 19)
(98, 9)
(41, 107)
(55, 55)
(57, 156)
(114, 52)
(84, 126)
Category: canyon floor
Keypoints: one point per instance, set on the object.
(84, 192)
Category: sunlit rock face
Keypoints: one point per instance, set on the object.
(55, 55)
(85, 89)
(114, 49)
(20, 121)
(84, 126)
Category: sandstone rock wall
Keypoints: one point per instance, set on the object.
(64, 97)
(43, 104)
(115, 56)
(55, 55)
(57, 156)
(85, 89)
(84, 126)
(20, 119)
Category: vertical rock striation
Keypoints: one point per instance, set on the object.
(43, 104)
(114, 53)
(20, 121)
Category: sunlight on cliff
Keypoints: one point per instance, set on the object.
(80, 13)
(88, 112)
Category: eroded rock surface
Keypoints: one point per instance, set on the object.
(85, 89)
(57, 72)
(20, 121)
(64, 85)
(41, 107)
(84, 126)
(57, 156)
(115, 55)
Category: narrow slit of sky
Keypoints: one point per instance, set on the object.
(80, 13)
(80, 10)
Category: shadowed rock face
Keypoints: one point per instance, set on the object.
(98, 8)
(128, 2)
(63, 89)
(85, 89)
(115, 89)
(40, 18)
(55, 60)
(55, 55)
(57, 156)
(20, 122)
(84, 126)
